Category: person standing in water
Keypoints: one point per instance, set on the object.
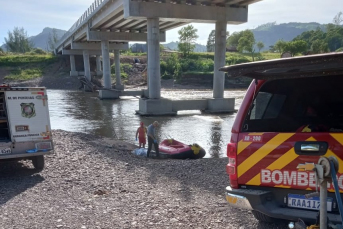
(141, 133)
(152, 139)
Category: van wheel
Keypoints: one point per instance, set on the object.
(262, 217)
(38, 162)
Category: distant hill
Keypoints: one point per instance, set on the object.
(271, 32)
(41, 40)
(267, 33)
(173, 46)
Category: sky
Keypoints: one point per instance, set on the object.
(35, 15)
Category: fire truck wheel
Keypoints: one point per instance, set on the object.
(38, 162)
(262, 217)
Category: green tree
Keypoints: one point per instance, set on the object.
(247, 42)
(295, 47)
(211, 41)
(272, 48)
(232, 40)
(260, 46)
(171, 67)
(187, 38)
(319, 46)
(18, 41)
(334, 38)
(280, 46)
(52, 40)
(338, 19)
(162, 47)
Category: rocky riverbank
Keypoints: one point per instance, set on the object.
(95, 182)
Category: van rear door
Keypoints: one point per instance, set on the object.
(285, 113)
(28, 114)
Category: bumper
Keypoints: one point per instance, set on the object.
(24, 155)
(264, 202)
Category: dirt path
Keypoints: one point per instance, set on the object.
(93, 182)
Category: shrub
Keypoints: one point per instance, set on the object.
(171, 68)
(206, 65)
(124, 70)
(233, 59)
(164, 72)
(22, 60)
(25, 74)
(39, 51)
(199, 65)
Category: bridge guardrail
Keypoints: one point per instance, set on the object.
(95, 5)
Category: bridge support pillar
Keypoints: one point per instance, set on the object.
(106, 64)
(154, 74)
(73, 71)
(219, 59)
(118, 86)
(86, 64)
(219, 104)
(98, 66)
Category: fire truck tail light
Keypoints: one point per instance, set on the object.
(231, 167)
(232, 161)
(231, 170)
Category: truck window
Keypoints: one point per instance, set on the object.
(287, 105)
(267, 106)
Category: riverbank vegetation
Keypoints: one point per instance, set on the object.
(174, 65)
(21, 67)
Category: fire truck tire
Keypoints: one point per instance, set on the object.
(262, 217)
(38, 162)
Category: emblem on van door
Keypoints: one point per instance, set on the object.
(28, 110)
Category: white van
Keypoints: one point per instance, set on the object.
(25, 131)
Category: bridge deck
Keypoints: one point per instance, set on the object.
(110, 16)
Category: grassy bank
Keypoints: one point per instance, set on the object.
(175, 65)
(21, 67)
(25, 67)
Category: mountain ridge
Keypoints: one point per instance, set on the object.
(268, 33)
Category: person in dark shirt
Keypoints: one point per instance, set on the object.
(152, 138)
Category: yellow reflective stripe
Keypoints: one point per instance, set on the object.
(280, 163)
(259, 154)
(242, 145)
(340, 162)
(338, 137)
(282, 186)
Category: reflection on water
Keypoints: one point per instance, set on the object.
(84, 112)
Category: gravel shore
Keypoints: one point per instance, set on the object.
(95, 182)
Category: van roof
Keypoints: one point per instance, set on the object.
(293, 67)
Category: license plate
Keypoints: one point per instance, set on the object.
(313, 203)
(5, 151)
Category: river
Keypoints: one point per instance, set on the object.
(83, 112)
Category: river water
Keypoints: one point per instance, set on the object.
(83, 112)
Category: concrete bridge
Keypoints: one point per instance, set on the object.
(110, 24)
